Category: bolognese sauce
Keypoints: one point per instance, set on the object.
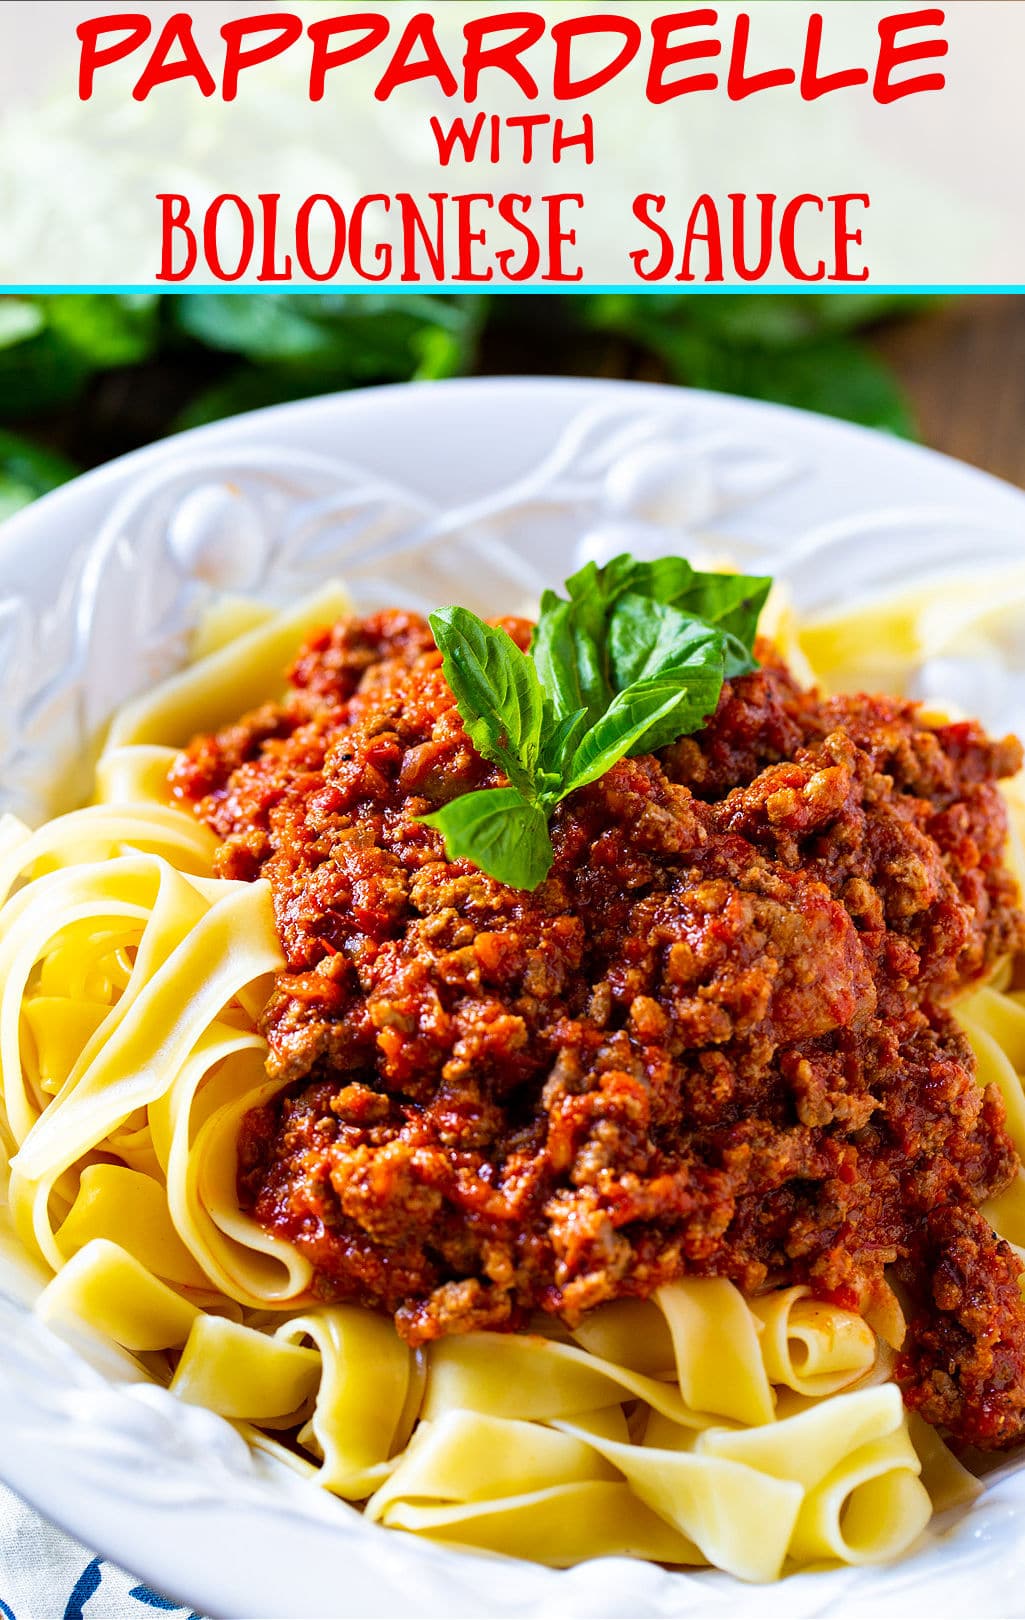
(716, 1040)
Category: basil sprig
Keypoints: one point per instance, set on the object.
(631, 659)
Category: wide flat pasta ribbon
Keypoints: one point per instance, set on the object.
(242, 1374)
(195, 1126)
(806, 1447)
(369, 1396)
(527, 1376)
(995, 1025)
(129, 1207)
(876, 644)
(469, 1457)
(232, 944)
(871, 1507)
(810, 1346)
(236, 677)
(520, 1489)
(719, 1364)
(632, 1333)
(134, 774)
(740, 1519)
(31, 923)
(108, 1288)
(83, 837)
(560, 1526)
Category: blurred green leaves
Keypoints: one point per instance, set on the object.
(26, 471)
(20, 319)
(796, 349)
(104, 329)
(294, 346)
(95, 374)
(52, 344)
(342, 335)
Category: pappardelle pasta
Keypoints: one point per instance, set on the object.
(697, 1426)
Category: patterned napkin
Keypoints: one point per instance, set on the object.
(44, 1575)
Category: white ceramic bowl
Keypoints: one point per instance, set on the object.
(480, 492)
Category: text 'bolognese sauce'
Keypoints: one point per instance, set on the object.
(715, 1041)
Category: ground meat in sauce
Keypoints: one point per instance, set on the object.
(714, 1042)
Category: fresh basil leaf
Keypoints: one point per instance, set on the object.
(733, 603)
(635, 713)
(553, 650)
(499, 831)
(663, 579)
(497, 692)
(697, 703)
(594, 587)
(567, 651)
(729, 602)
(633, 658)
(647, 639)
(559, 739)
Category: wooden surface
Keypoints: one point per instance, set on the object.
(963, 368)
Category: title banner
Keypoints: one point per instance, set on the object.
(641, 145)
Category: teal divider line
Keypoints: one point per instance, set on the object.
(491, 288)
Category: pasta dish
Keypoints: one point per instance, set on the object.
(554, 1083)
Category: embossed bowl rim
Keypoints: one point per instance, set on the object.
(128, 1477)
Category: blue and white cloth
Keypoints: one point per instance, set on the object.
(45, 1575)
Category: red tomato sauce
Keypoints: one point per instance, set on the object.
(715, 1041)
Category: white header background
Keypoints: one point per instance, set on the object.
(78, 180)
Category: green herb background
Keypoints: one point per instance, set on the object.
(84, 377)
